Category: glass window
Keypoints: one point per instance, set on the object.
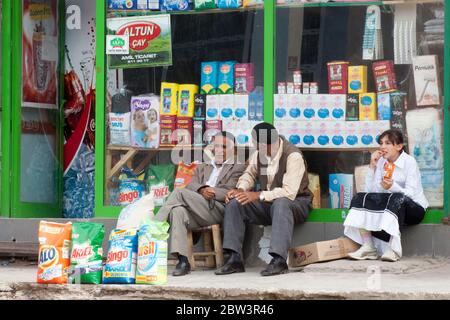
(347, 73)
(185, 73)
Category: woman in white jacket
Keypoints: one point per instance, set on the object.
(393, 199)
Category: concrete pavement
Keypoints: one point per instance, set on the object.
(410, 278)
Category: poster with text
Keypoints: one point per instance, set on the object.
(40, 53)
(150, 41)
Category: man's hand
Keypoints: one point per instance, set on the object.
(387, 183)
(208, 193)
(232, 194)
(245, 198)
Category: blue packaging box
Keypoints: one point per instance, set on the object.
(341, 190)
(209, 77)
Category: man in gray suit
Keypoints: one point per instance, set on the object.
(201, 203)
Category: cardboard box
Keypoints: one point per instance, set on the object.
(199, 131)
(368, 107)
(426, 80)
(200, 107)
(185, 131)
(321, 252)
(209, 77)
(384, 74)
(244, 78)
(337, 77)
(352, 107)
(226, 77)
(357, 79)
(341, 190)
(168, 127)
(212, 107)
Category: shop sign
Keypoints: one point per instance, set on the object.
(149, 42)
(117, 44)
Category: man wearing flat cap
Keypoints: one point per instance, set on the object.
(283, 201)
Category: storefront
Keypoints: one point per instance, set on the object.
(334, 124)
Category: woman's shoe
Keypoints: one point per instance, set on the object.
(366, 252)
(390, 256)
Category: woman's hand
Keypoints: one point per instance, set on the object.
(374, 159)
(387, 183)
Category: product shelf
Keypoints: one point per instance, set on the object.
(355, 3)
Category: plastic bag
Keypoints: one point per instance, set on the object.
(160, 180)
(184, 174)
(131, 186)
(134, 214)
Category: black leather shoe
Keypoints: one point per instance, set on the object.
(182, 269)
(233, 265)
(277, 266)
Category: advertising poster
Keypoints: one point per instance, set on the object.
(79, 109)
(149, 39)
(40, 53)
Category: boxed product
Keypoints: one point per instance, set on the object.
(120, 124)
(398, 113)
(384, 74)
(200, 106)
(310, 106)
(337, 130)
(145, 121)
(226, 106)
(368, 107)
(426, 80)
(209, 77)
(226, 77)
(306, 88)
(384, 106)
(352, 107)
(199, 131)
(168, 126)
(229, 4)
(337, 77)
(176, 5)
(251, 3)
(357, 79)
(133, 4)
(212, 107)
(280, 106)
(338, 106)
(244, 78)
(323, 134)
(184, 131)
(204, 4)
(256, 105)
(360, 177)
(294, 106)
(186, 100)
(212, 127)
(321, 251)
(313, 88)
(352, 138)
(308, 133)
(169, 99)
(241, 107)
(341, 190)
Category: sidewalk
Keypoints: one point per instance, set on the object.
(410, 278)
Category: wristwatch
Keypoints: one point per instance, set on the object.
(261, 196)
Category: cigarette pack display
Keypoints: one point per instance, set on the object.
(341, 190)
(145, 121)
(357, 79)
(226, 106)
(280, 106)
(368, 107)
(294, 106)
(426, 79)
(226, 77)
(384, 74)
(212, 127)
(244, 78)
(352, 107)
(169, 99)
(199, 131)
(186, 100)
(185, 131)
(337, 77)
(209, 77)
(384, 106)
(212, 107)
(200, 106)
(168, 135)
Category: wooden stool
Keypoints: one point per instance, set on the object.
(212, 238)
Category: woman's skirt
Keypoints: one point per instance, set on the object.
(381, 213)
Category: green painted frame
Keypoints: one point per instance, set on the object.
(6, 110)
(318, 215)
(20, 209)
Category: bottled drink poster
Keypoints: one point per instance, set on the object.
(40, 53)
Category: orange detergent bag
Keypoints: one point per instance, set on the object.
(54, 252)
(184, 174)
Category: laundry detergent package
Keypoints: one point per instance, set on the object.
(169, 99)
(131, 186)
(119, 129)
(120, 265)
(176, 5)
(152, 253)
(132, 5)
(209, 77)
(186, 100)
(86, 255)
(229, 4)
(226, 77)
(54, 252)
(160, 181)
(341, 190)
(204, 4)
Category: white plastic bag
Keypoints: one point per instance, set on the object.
(132, 215)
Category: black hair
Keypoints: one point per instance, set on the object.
(225, 135)
(265, 133)
(395, 136)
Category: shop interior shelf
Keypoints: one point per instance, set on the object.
(338, 149)
(355, 3)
